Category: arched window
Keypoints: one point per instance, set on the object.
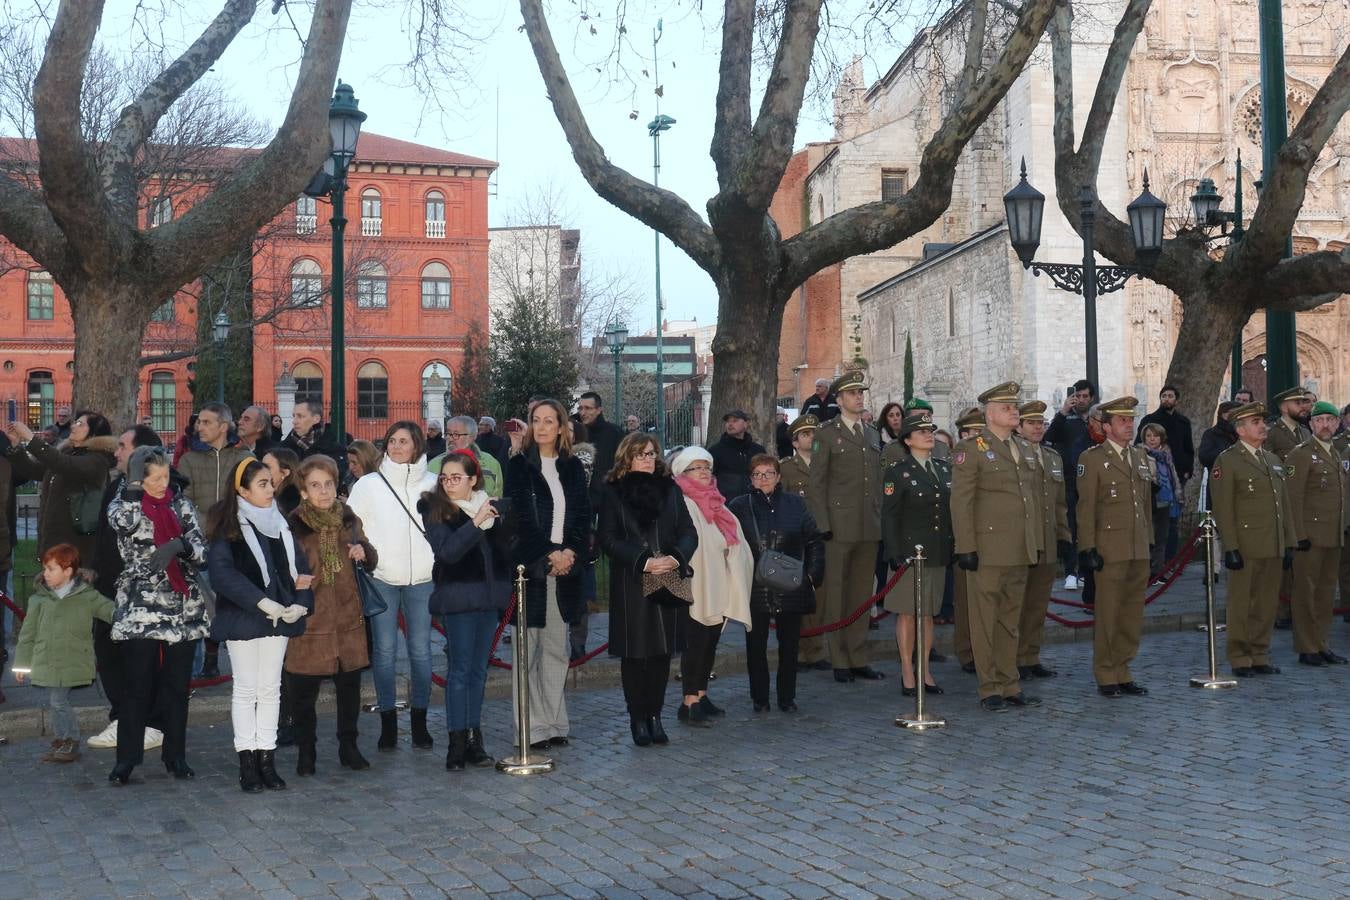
(41, 398)
(371, 213)
(161, 212)
(435, 286)
(372, 392)
(41, 296)
(308, 382)
(306, 215)
(163, 403)
(306, 283)
(436, 367)
(372, 285)
(435, 214)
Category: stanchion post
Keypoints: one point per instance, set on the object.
(921, 720)
(522, 763)
(1213, 681)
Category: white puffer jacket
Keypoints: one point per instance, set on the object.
(405, 555)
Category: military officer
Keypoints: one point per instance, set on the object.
(796, 475)
(1251, 508)
(1055, 520)
(1316, 482)
(916, 509)
(996, 519)
(1342, 444)
(845, 499)
(969, 424)
(1115, 522)
(1288, 430)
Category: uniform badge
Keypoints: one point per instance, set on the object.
(979, 442)
(1217, 472)
(1279, 470)
(889, 489)
(1289, 470)
(960, 457)
(1081, 470)
(1345, 465)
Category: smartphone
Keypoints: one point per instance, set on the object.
(512, 426)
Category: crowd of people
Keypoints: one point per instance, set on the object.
(310, 559)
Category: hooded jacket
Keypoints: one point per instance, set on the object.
(388, 512)
(56, 645)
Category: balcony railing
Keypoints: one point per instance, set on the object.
(435, 228)
(371, 226)
(306, 223)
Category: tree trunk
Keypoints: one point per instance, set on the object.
(745, 375)
(110, 321)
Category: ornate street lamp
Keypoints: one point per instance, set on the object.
(220, 330)
(1207, 204)
(616, 336)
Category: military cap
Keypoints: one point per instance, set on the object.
(807, 422)
(1323, 408)
(1007, 392)
(970, 419)
(1255, 409)
(1033, 411)
(918, 403)
(849, 381)
(1294, 393)
(915, 421)
(1121, 406)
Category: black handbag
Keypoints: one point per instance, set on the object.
(775, 570)
(372, 603)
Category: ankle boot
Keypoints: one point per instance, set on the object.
(350, 756)
(642, 735)
(305, 759)
(454, 757)
(475, 755)
(657, 731)
(267, 770)
(388, 729)
(421, 738)
(248, 772)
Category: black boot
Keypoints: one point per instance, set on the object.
(475, 755)
(211, 664)
(454, 757)
(305, 759)
(286, 732)
(421, 738)
(248, 772)
(642, 735)
(657, 730)
(267, 770)
(350, 756)
(388, 729)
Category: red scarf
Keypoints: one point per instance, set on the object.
(712, 504)
(160, 513)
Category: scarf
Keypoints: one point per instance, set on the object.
(269, 521)
(473, 505)
(712, 504)
(159, 510)
(327, 524)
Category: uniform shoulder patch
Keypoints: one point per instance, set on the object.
(959, 457)
(1289, 469)
(1218, 472)
(1082, 469)
(889, 488)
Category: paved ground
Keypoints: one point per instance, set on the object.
(1183, 793)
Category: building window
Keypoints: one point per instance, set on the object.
(306, 215)
(161, 212)
(372, 392)
(951, 313)
(306, 283)
(163, 312)
(440, 369)
(372, 286)
(308, 382)
(371, 225)
(435, 286)
(41, 399)
(435, 214)
(41, 296)
(894, 183)
(163, 403)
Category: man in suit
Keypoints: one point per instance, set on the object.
(845, 499)
(796, 477)
(1251, 508)
(1316, 483)
(1054, 520)
(1115, 522)
(996, 519)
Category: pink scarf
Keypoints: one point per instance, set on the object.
(712, 504)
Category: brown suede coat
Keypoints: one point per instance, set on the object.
(335, 632)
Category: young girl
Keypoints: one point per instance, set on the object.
(56, 646)
(262, 586)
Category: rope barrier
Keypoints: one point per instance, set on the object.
(13, 607)
(1170, 572)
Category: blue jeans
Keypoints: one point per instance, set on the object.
(412, 599)
(468, 638)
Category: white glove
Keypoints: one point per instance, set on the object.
(294, 613)
(272, 609)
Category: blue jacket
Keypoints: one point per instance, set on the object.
(238, 584)
(473, 570)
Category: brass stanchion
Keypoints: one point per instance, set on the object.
(921, 720)
(1214, 681)
(522, 763)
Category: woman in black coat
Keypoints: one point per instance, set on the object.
(645, 529)
(775, 519)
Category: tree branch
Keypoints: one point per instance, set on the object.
(731, 126)
(1108, 85)
(663, 210)
(1307, 281)
(970, 70)
(29, 225)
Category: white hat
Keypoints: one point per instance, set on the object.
(686, 458)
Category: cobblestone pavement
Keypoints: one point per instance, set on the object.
(1182, 793)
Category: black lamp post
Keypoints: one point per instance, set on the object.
(1206, 203)
(1025, 210)
(616, 336)
(220, 330)
(344, 126)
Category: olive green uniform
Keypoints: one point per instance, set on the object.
(1041, 578)
(916, 509)
(845, 499)
(1251, 508)
(996, 514)
(796, 475)
(1341, 443)
(895, 451)
(1316, 482)
(1115, 517)
(1281, 440)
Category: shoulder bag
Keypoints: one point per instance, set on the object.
(85, 507)
(372, 602)
(775, 570)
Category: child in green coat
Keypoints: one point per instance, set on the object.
(56, 646)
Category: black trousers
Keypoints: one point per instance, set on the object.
(304, 693)
(111, 668)
(644, 684)
(757, 655)
(157, 675)
(700, 652)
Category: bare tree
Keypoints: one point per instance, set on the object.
(739, 245)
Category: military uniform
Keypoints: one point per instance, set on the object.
(845, 500)
(970, 420)
(996, 515)
(1055, 522)
(1316, 482)
(796, 479)
(1285, 434)
(916, 509)
(1115, 518)
(1341, 444)
(1251, 508)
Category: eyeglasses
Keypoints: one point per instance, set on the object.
(454, 479)
(458, 434)
(699, 469)
(762, 476)
(647, 454)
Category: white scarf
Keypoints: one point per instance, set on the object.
(473, 505)
(269, 521)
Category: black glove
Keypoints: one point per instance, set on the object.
(826, 535)
(1304, 546)
(895, 563)
(1090, 560)
(968, 561)
(165, 553)
(1288, 562)
(1232, 559)
(1063, 548)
